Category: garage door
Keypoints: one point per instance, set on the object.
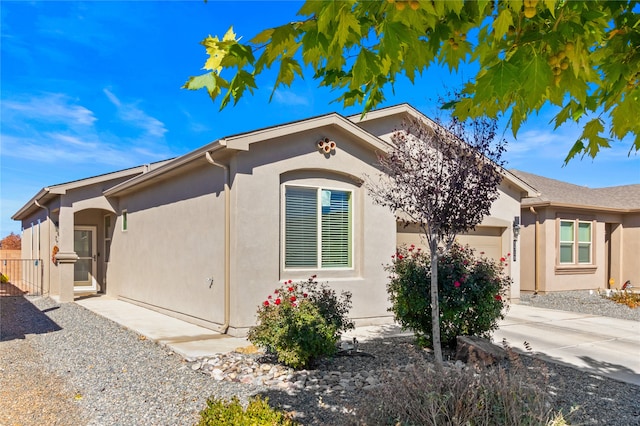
(485, 239)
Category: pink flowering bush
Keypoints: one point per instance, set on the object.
(300, 322)
(471, 293)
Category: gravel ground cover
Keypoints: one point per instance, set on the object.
(64, 365)
(586, 302)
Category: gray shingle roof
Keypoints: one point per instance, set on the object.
(558, 192)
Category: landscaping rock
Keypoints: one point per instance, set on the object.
(478, 351)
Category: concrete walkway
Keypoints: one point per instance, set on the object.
(189, 340)
(605, 346)
(186, 339)
(602, 345)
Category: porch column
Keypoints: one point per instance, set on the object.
(66, 256)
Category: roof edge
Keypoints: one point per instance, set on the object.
(165, 168)
(526, 205)
(62, 188)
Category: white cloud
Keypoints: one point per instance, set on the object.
(130, 113)
(47, 107)
(287, 97)
(54, 128)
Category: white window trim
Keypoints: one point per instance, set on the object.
(107, 237)
(124, 226)
(590, 242)
(318, 188)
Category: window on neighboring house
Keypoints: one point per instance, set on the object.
(317, 228)
(124, 220)
(575, 242)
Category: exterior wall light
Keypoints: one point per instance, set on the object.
(516, 226)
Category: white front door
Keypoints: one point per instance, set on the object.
(84, 273)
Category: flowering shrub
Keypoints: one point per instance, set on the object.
(301, 321)
(471, 293)
(3, 278)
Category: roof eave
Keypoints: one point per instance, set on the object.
(42, 197)
(527, 190)
(243, 141)
(526, 205)
(171, 165)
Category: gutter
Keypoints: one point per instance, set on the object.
(48, 242)
(536, 256)
(227, 243)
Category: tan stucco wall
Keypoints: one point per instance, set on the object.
(84, 205)
(173, 246)
(257, 266)
(37, 241)
(622, 249)
(382, 127)
(631, 250)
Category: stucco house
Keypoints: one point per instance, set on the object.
(577, 238)
(205, 237)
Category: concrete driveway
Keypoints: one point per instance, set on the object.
(605, 346)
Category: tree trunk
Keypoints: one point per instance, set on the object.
(435, 306)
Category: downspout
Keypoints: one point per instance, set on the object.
(536, 256)
(48, 242)
(227, 244)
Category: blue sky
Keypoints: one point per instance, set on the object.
(92, 87)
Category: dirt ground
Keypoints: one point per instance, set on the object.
(29, 393)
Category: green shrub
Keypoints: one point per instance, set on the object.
(301, 321)
(471, 293)
(258, 412)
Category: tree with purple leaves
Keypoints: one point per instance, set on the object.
(443, 179)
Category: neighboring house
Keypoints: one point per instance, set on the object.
(207, 236)
(575, 238)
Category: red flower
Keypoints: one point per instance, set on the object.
(266, 302)
(502, 259)
(498, 298)
(400, 256)
(393, 256)
(289, 282)
(508, 254)
(290, 289)
(277, 301)
(269, 297)
(276, 291)
(292, 298)
(304, 295)
(456, 284)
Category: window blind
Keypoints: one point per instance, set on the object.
(336, 228)
(301, 227)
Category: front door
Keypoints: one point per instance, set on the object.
(84, 244)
